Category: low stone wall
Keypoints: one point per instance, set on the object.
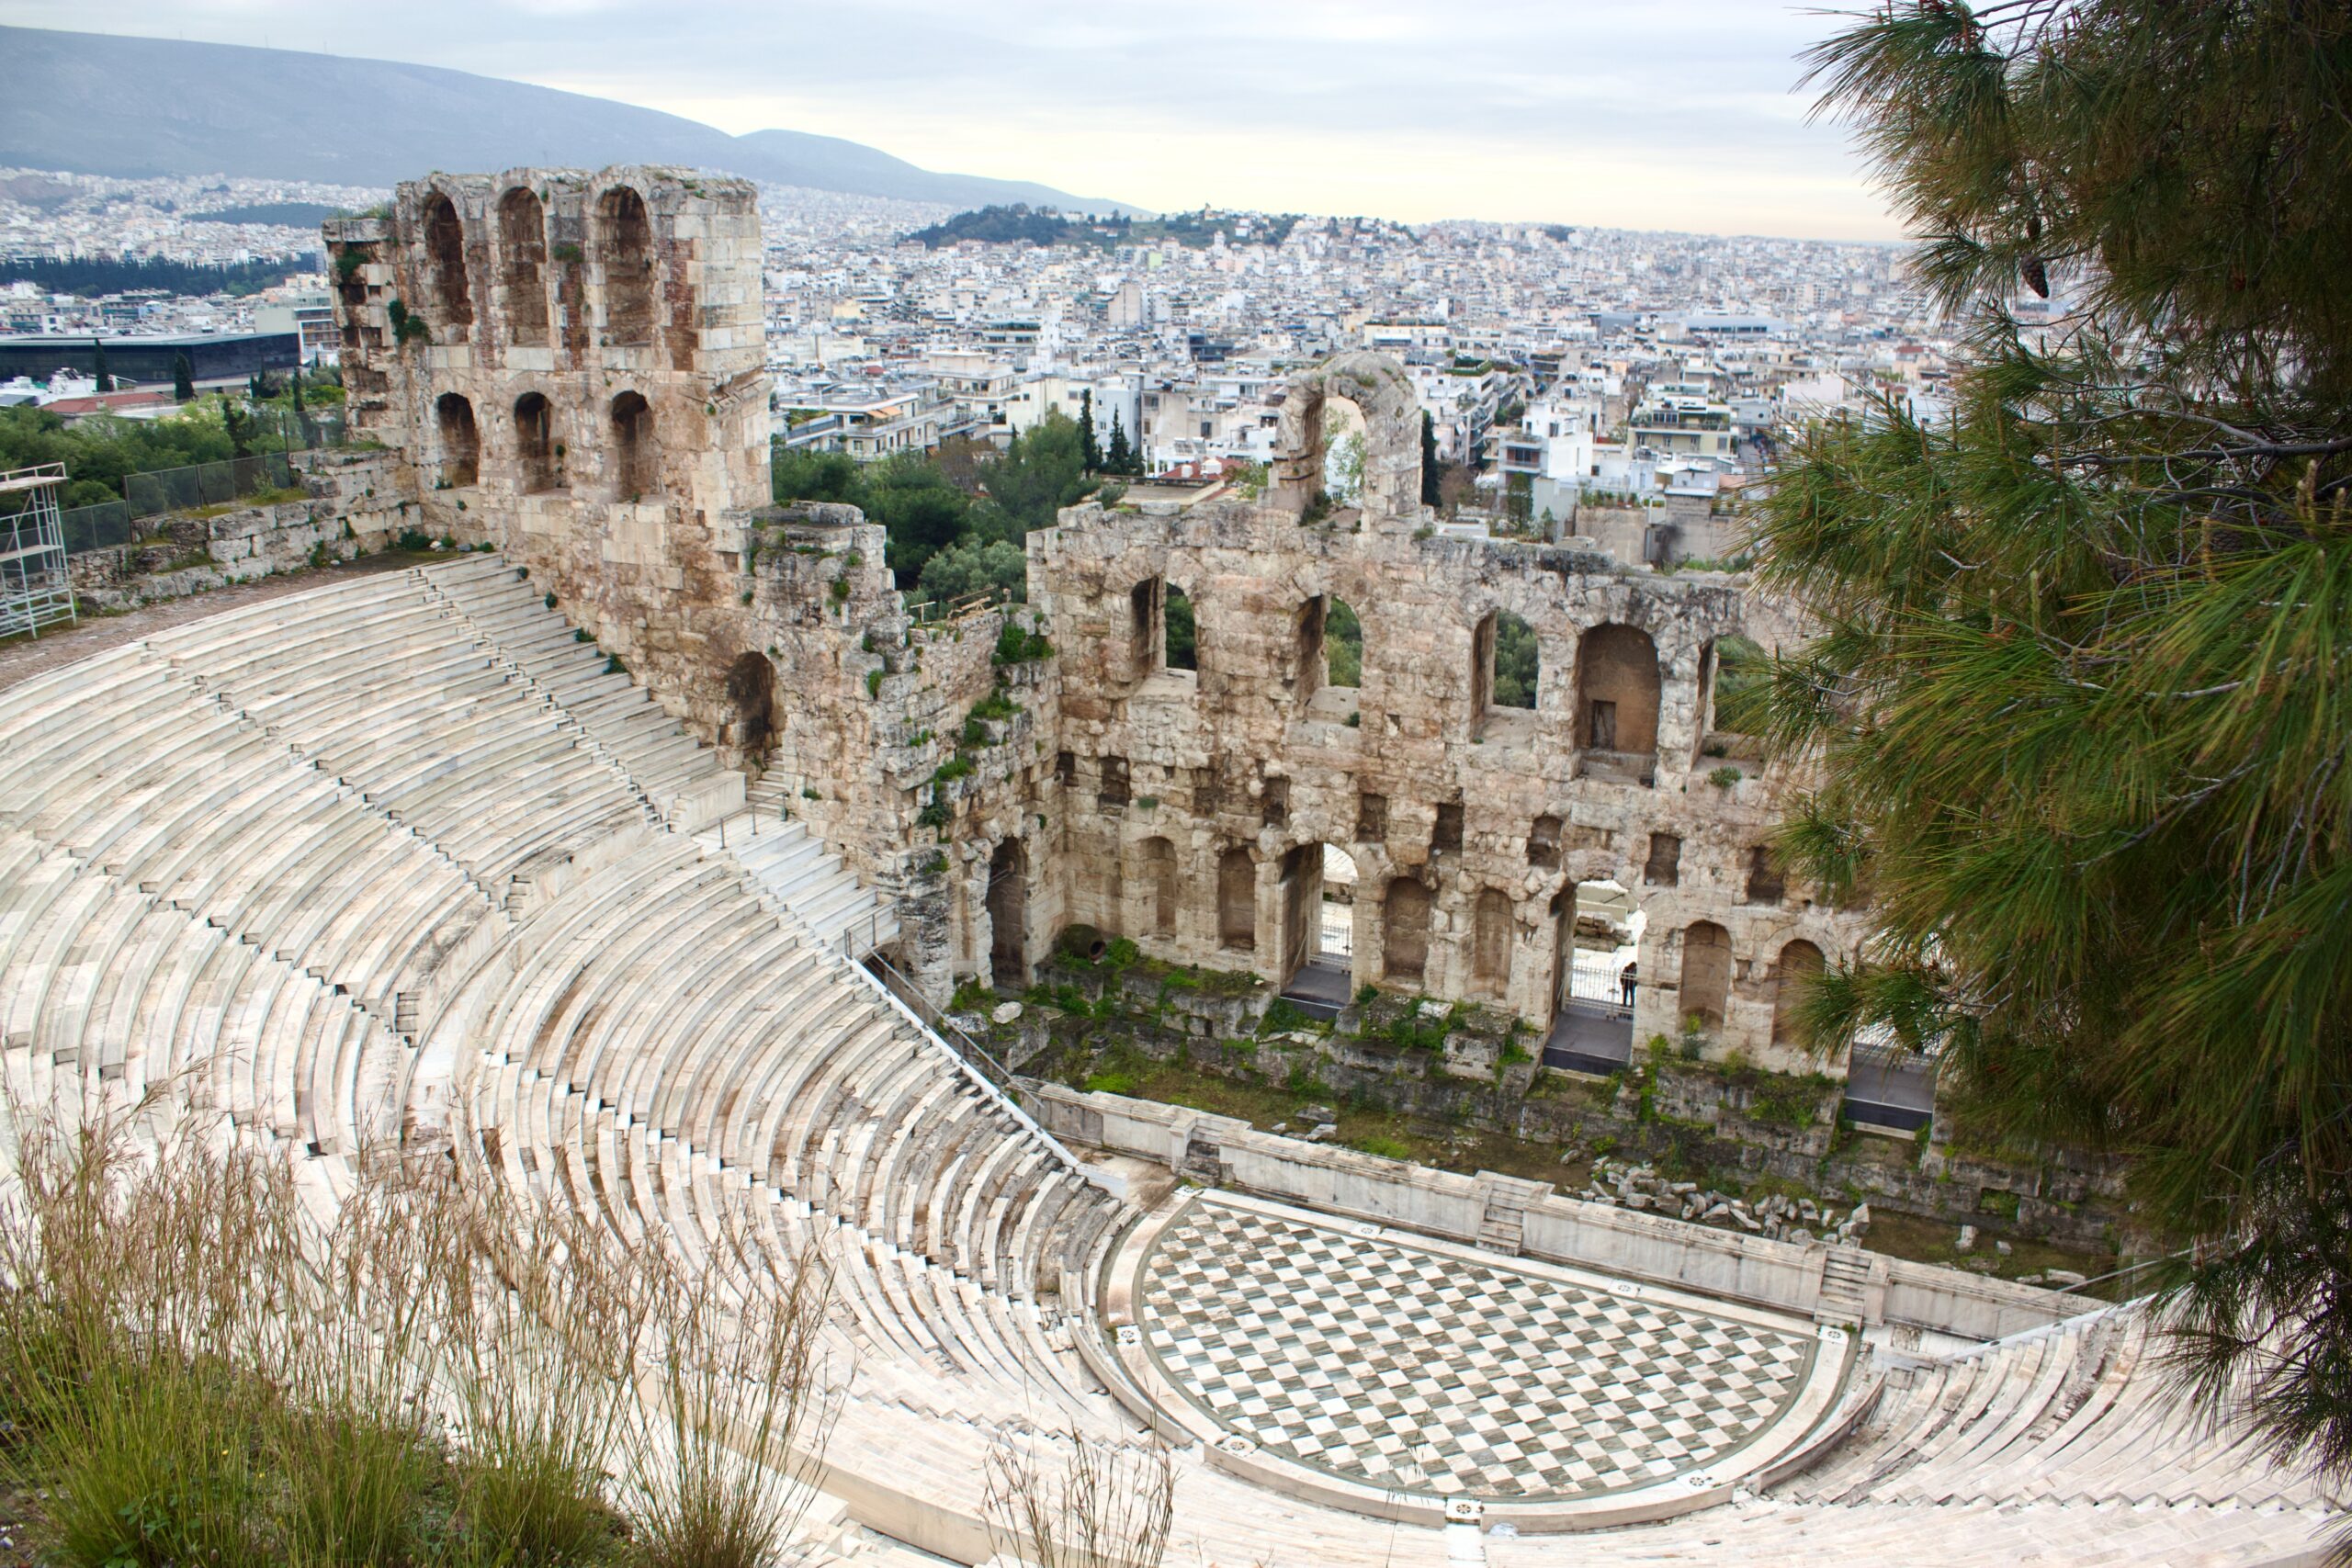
(1683, 1115)
(1783, 1275)
(351, 510)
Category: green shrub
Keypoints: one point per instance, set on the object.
(613, 665)
(1385, 1146)
(1724, 778)
(1017, 645)
(1111, 1083)
(1282, 1015)
(874, 683)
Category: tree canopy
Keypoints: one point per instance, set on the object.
(965, 497)
(2080, 692)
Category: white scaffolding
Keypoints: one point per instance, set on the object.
(36, 587)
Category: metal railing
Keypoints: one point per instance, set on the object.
(980, 1066)
(110, 523)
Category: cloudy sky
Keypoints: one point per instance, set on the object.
(1655, 113)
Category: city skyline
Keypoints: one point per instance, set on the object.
(1589, 114)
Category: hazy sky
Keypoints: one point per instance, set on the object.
(1654, 114)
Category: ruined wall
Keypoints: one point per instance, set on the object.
(571, 365)
(568, 365)
(1439, 796)
(877, 744)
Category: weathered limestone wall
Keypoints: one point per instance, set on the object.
(1253, 755)
(1561, 1230)
(579, 381)
(875, 744)
(353, 509)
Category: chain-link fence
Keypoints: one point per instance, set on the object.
(113, 522)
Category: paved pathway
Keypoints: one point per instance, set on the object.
(23, 658)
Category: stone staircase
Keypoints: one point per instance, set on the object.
(1844, 1285)
(793, 866)
(1502, 1225)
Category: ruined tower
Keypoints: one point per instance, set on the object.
(573, 362)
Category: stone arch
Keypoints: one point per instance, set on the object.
(445, 250)
(453, 416)
(1383, 395)
(625, 246)
(523, 265)
(1236, 899)
(637, 455)
(751, 694)
(1799, 962)
(538, 456)
(1157, 858)
(1405, 932)
(1008, 907)
(1180, 629)
(1617, 691)
(1490, 942)
(1706, 973)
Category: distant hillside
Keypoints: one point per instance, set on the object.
(1022, 225)
(95, 104)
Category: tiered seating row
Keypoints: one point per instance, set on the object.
(659, 1034)
(2077, 1412)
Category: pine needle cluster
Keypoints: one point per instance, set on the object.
(2083, 686)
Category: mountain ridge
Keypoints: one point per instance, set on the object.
(128, 107)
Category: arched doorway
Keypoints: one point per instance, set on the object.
(637, 458)
(1597, 932)
(460, 441)
(625, 241)
(1405, 934)
(1617, 700)
(1318, 891)
(750, 693)
(1799, 962)
(1008, 907)
(1236, 900)
(1159, 863)
(537, 465)
(523, 256)
(1706, 973)
(445, 246)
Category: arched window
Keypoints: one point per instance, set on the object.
(1158, 861)
(1342, 645)
(460, 441)
(1490, 944)
(444, 247)
(1182, 635)
(626, 246)
(1405, 945)
(750, 693)
(522, 264)
(539, 462)
(1799, 962)
(1517, 663)
(1617, 691)
(1706, 973)
(637, 459)
(1236, 899)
